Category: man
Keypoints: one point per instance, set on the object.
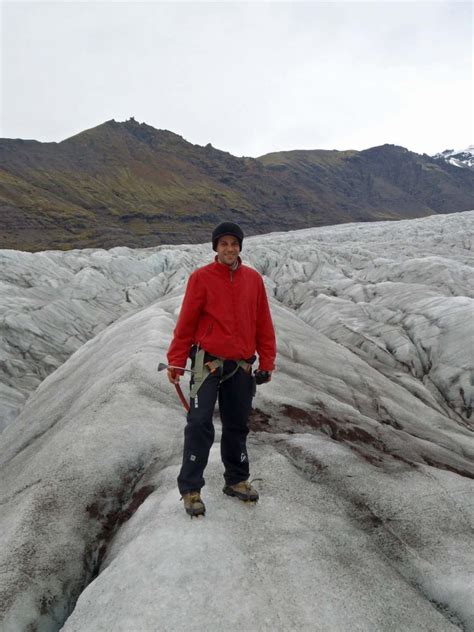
(224, 320)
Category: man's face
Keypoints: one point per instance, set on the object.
(228, 250)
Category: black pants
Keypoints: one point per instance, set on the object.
(235, 403)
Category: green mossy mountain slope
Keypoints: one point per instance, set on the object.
(130, 184)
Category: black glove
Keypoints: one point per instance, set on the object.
(261, 377)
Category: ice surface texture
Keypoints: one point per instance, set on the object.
(363, 441)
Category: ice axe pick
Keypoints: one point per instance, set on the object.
(162, 366)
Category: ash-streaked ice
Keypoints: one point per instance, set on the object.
(363, 441)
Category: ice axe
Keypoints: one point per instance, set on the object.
(162, 366)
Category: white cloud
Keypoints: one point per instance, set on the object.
(249, 78)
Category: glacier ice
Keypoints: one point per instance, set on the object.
(363, 441)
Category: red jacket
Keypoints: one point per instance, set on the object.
(226, 313)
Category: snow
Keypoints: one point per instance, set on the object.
(458, 157)
(362, 441)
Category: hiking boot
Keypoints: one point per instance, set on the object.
(193, 504)
(242, 490)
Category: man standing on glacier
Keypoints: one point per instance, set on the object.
(224, 320)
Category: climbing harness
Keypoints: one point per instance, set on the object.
(203, 369)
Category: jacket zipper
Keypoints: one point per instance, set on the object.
(233, 300)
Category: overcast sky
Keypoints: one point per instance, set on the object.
(250, 78)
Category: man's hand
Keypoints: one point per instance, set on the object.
(262, 377)
(173, 376)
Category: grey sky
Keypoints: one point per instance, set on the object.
(250, 78)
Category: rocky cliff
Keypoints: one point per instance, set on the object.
(130, 184)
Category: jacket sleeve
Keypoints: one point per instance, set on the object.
(266, 343)
(183, 336)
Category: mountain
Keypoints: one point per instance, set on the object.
(362, 445)
(459, 158)
(132, 185)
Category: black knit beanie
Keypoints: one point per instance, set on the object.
(227, 228)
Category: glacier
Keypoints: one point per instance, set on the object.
(361, 446)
